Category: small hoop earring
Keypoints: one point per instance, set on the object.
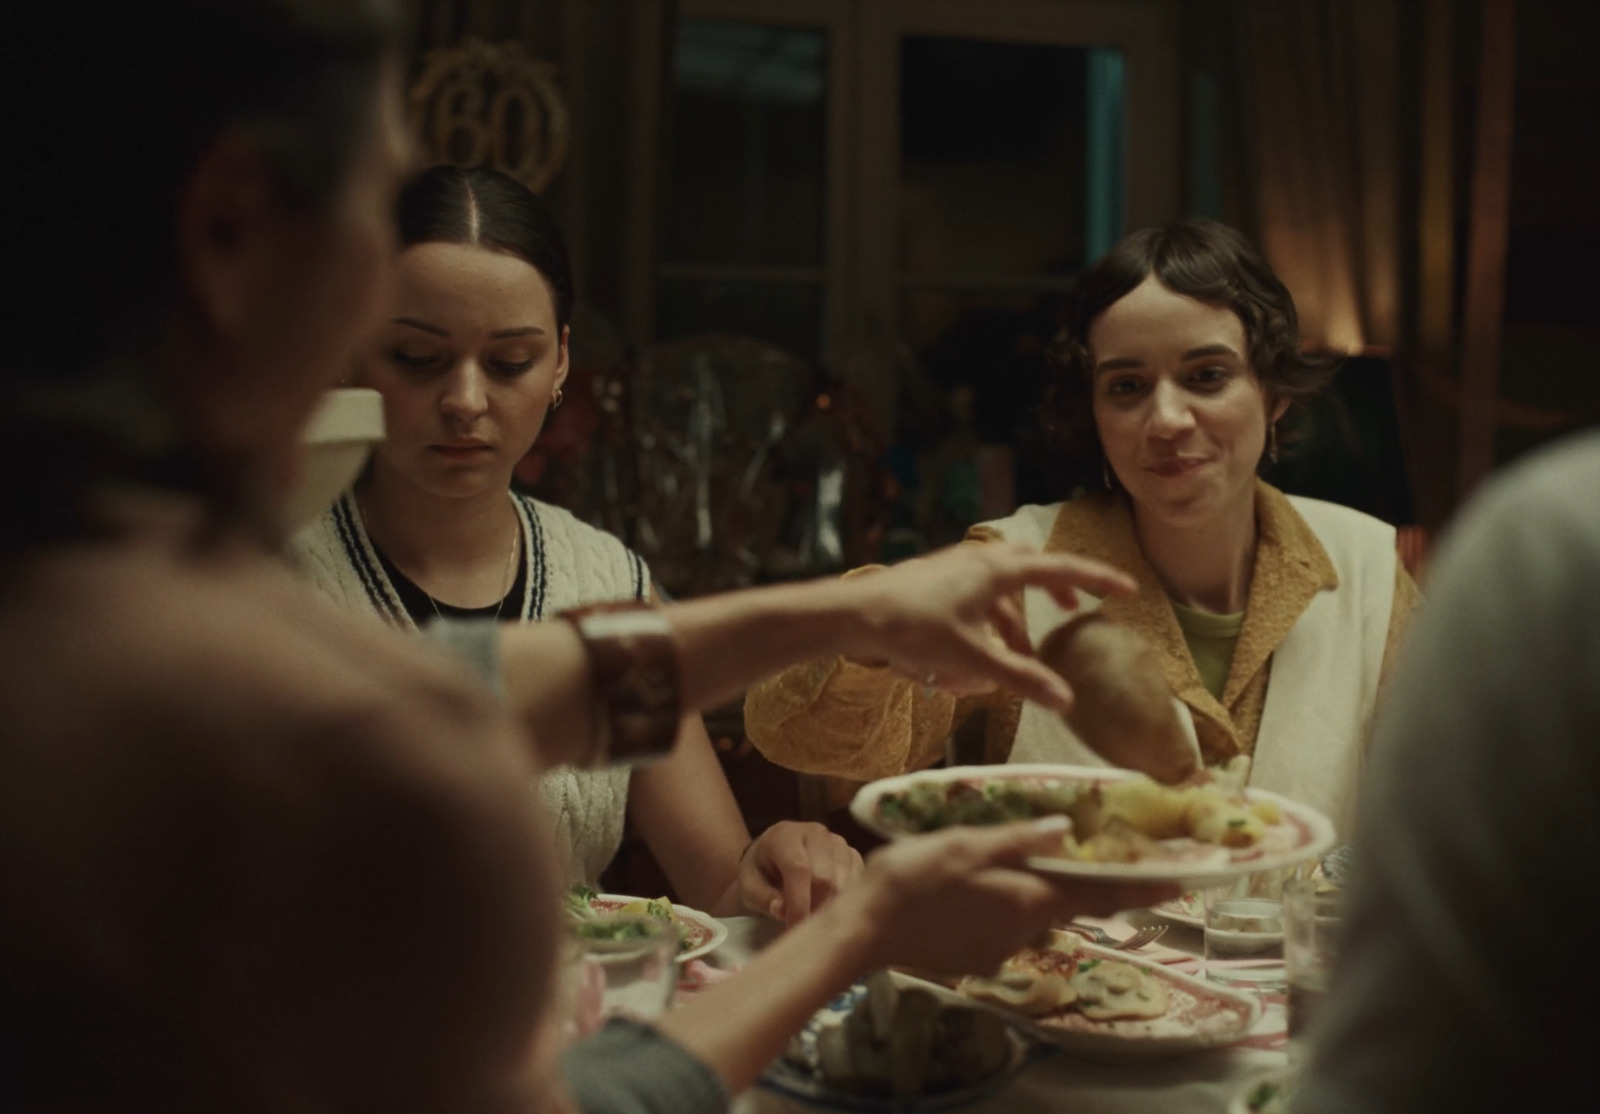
(555, 401)
(1272, 442)
(1105, 474)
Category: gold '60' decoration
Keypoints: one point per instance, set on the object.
(490, 104)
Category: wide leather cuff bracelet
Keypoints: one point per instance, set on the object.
(637, 681)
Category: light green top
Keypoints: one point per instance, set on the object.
(1211, 639)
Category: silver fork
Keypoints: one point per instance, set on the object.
(1142, 937)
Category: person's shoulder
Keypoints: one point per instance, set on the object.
(212, 733)
(1336, 518)
(1029, 524)
(321, 549)
(234, 666)
(558, 520)
(598, 561)
(250, 643)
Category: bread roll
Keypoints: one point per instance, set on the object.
(1124, 711)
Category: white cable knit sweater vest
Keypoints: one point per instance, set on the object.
(569, 564)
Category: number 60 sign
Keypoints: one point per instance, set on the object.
(490, 104)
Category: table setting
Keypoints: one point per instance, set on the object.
(1188, 1006)
(1050, 1077)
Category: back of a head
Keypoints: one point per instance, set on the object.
(483, 207)
(288, 892)
(110, 109)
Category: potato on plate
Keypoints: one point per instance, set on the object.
(1125, 710)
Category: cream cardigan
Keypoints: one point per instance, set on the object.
(568, 564)
(1325, 672)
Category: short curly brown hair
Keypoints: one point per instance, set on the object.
(1201, 259)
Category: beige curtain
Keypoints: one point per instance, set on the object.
(1319, 82)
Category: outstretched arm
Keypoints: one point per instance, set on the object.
(949, 618)
(955, 902)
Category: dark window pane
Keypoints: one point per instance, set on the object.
(990, 341)
(981, 374)
(786, 314)
(1011, 156)
(749, 138)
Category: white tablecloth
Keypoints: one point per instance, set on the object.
(1202, 1084)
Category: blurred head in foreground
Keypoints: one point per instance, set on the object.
(204, 216)
(297, 900)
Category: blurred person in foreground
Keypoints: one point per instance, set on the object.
(470, 360)
(1467, 980)
(1273, 617)
(256, 855)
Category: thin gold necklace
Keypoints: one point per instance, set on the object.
(509, 580)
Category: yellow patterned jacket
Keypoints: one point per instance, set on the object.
(854, 722)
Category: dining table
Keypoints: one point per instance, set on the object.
(1205, 1082)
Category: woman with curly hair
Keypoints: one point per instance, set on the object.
(1273, 616)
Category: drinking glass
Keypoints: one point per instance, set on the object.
(1243, 937)
(625, 967)
(1311, 925)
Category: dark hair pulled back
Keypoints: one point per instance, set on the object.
(1200, 259)
(479, 206)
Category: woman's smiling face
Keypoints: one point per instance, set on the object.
(467, 366)
(1180, 412)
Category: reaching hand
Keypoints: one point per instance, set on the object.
(793, 869)
(960, 902)
(951, 619)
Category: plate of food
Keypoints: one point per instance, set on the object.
(1106, 1004)
(885, 1046)
(698, 933)
(1186, 909)
(1124, 826)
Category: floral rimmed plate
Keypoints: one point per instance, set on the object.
(1303, 833)
(702, 933)
(1201, 1015)
(1186, 909)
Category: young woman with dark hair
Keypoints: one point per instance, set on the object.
(470, 362)
(1274, 617)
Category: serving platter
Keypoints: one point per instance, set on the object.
(1303, 833)
(702, 933)
(1202, 1015)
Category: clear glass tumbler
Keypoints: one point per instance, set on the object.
(627, 967)
(1243, 938)
(1312, 922)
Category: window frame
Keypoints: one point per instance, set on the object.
(862, 285)
(835, 275)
